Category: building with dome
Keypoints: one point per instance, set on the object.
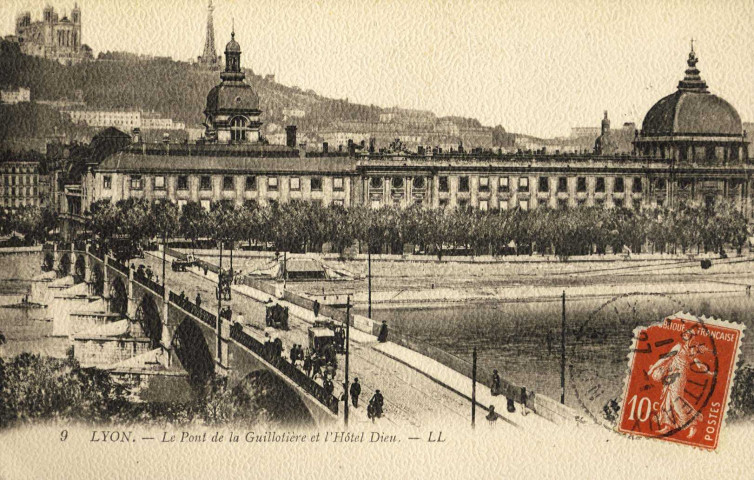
(692, 125)
(691, 148)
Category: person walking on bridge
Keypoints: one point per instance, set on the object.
(495, 388)
(198, 300)
(355, 392)
(382, 337)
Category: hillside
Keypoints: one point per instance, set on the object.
(179, 89)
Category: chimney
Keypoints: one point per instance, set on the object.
(325, 147)
(290, 136)
(351, 147)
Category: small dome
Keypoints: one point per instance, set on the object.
(233, 46)
(232, 96)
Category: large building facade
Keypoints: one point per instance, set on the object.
(19, 184)
(52, 37)
(233, 163)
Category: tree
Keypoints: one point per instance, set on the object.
(194, 222)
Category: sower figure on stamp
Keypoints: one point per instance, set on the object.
(672, 371)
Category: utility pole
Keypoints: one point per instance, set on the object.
(348, 347)
(473, 389)
(562, 351)
(369, 279)
(219, 305)
(164, 244)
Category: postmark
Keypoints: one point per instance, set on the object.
(680, 374)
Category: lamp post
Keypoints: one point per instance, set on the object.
(562, 350)
(348, 344)
(369, 280)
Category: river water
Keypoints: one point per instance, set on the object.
(25, 330)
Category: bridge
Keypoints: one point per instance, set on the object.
(418, 386)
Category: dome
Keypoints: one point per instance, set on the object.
(692, 113)
(233, 46)
(692, 110)
(232, 96)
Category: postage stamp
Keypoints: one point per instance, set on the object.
(680, 375)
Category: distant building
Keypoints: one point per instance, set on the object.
(52, 37)
(123, 119)
(209, 57)
(294, 113)
(12, 97)
(19, 184)
(578, 132)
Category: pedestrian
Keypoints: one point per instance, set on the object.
(308, 365)
(183, 295)
(198, 300)
(492, 416)
(150, 273)
(382, 337)
(328, 386)
(278, 347)
(292, 354)
(316, 366)
(239, 318)
(205, 269)
(495, 388)
(374, 410)
(315, 308)
(355, 392)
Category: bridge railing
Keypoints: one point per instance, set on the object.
(150, 284)
(191, 308)
(285, 367)
(117, 265)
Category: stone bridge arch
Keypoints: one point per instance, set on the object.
(193, 352)
(118, 296)
(148, 316)
(98, 279)
(79, 269)
(64, 266)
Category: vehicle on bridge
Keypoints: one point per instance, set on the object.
(180, 265)
(327, 332)
(277, 316)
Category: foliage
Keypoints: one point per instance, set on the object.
(34, 223)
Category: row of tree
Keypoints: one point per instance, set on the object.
(34, 223)
(300, 226)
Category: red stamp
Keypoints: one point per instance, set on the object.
(680, 375)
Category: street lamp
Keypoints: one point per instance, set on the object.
(348, 343)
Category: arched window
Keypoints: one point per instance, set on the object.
(238, 129)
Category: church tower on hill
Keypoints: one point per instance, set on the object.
(209, 57)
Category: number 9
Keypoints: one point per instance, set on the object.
(64, 435)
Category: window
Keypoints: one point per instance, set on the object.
(599, 203)
(205, 205)
(135, 182)
(544, 184)
(251, 182)
(397, 182)
(636, 187)
(483, 205)
(618, 202)
(238, 129)
(599, 185)
(523, 204)
(562, 203)
(463, 184)
(443, 203)
(619, 185)
(685, 184)
(562, 184)
(295, 183)
(316, 184)
(581, 184)
(107, 182)
(463, 204)
(338, 202)
(182, 183)
(419, 183)
(229, 183)
(504, 184)
(159, 182)
(337, 184)
(375, 182)
(181, 204)
(484, 184)
(637, 204)
(272, 184)
(523, 186)
(444, 187)
(205, 183)
(660, 184)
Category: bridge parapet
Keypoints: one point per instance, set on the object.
(192, 309)
(286, 368)
(111, 262)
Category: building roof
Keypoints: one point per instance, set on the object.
(129, 162)
(232, 96)
(692, 110)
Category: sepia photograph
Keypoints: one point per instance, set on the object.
(376, 239)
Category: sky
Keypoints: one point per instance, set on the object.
(538, 67)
